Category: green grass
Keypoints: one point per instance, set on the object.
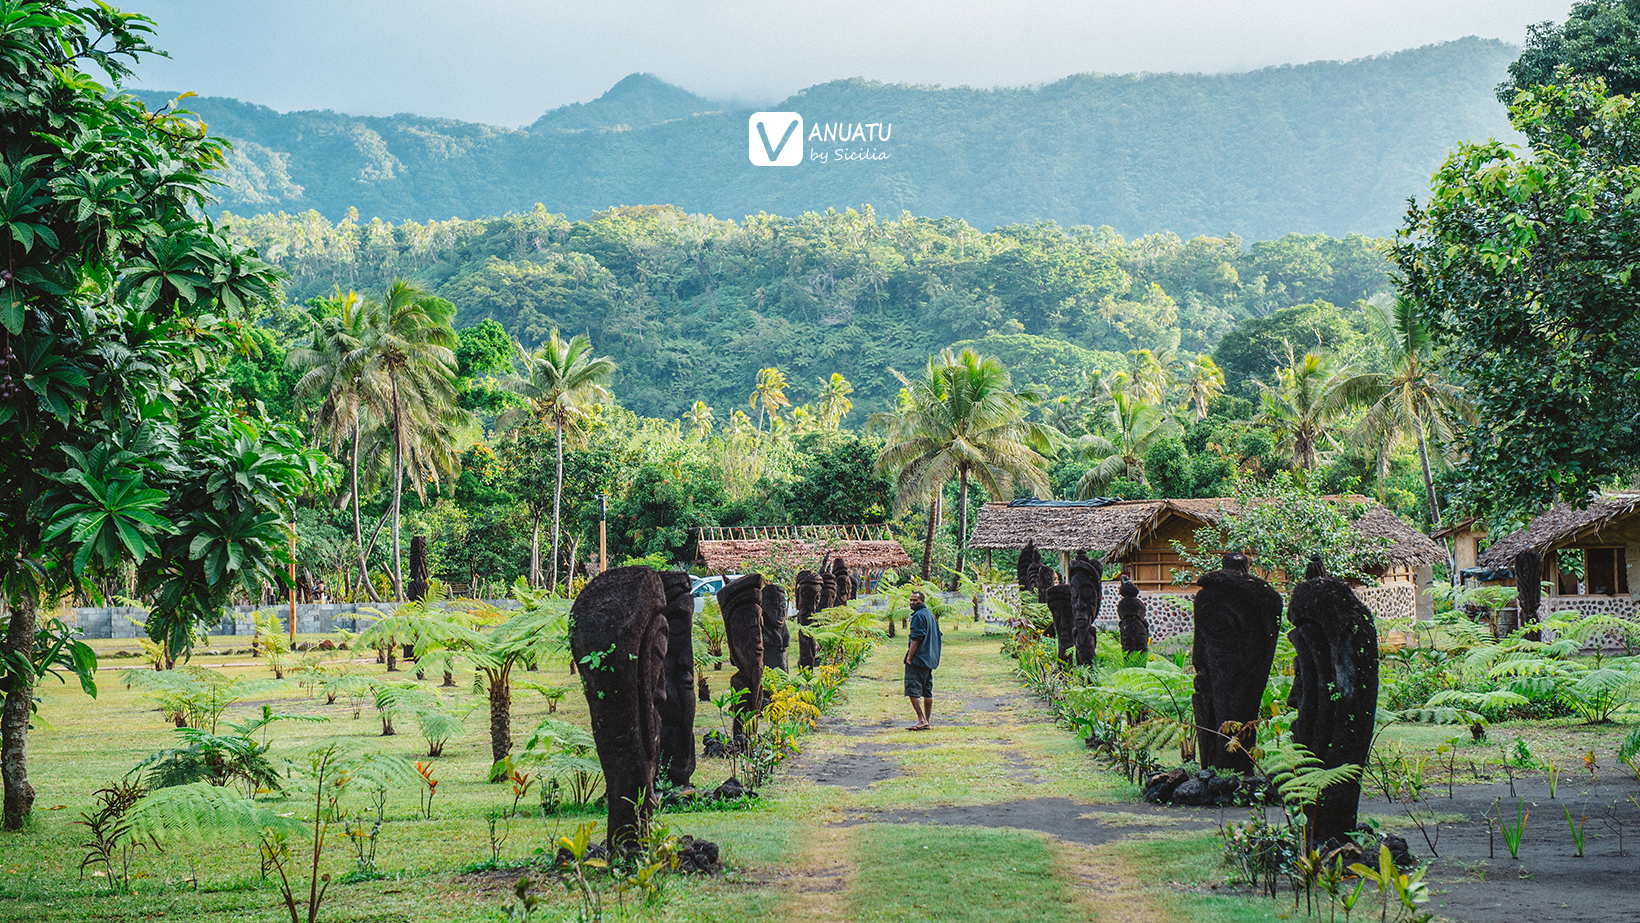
(957, 875)
(775, 852)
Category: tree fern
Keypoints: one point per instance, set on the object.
(1299, 777)
(199, 813)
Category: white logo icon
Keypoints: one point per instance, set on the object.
(775, 139)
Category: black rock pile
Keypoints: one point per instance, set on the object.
(1204, 788)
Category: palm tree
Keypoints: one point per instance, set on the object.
(963, 420)
(1203, 381)
(561, 380)
(699, 418)
(1150, 377)
(344, 394)
(1411, 400)
(769, 395)
(834, 402)
(408, 340)
(1135, 427)
(1308, 398)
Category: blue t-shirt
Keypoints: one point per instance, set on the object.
(925, 630)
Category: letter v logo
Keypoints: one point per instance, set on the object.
(763, 128)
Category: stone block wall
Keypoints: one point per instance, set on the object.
(126, 622)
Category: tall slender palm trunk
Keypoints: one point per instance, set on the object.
(19, 644)
(557, 500)
(962, 537)
(928, 543)
(398, 490)
(1429, 480)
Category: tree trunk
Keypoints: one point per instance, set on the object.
(1429, 481)
(928, 543)
(500, 719)
(962, 514)
(14, 722)
(557, 501)
(535, 550)
(398, 491)
(358, 524)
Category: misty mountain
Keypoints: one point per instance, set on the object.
(1328, 147)
(637, 101)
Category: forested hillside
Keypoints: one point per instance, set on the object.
(691, 307)
(1325, 147)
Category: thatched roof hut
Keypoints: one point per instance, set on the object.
(867, 548)
(1565, 525)
(1117, 531)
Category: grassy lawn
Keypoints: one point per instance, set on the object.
(809, 851)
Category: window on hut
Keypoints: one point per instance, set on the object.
(1593, 571)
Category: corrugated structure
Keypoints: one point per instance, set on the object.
(865, 548)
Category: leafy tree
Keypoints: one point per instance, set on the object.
(769, 395)
(408, 340)
(834, 402)
(1412, 400)
(1135, 428)
(1280, 523)
(962, 420)
(1203, 381)
(484, 349)
(1306, 402)
(699, 418)
(1600, 38)
(1258, 347)
(1525, 263)
(120, 310)
(561, 380)
(344, 394)
(838, 484)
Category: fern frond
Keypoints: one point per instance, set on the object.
(199, 812)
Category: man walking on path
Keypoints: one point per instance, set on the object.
(921, 657)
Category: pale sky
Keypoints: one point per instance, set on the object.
(507, 61)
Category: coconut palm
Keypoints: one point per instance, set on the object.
(561, 380)
(769, 395)
(1150, 377)
(1411, 401)
(408, 341)
(1134, 428)
(834, 402)
(343, 394)
(699, 418)
(962, 420)
(1309, 397)
(1203, 381)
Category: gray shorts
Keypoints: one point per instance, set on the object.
(919, 682)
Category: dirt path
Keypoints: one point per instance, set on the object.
(993, 774)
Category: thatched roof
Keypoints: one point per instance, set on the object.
(1116, 530)
(1561, 525)
(733, 555)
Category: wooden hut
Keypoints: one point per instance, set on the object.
(867, 549)
(1139, 535)
(1603, 541)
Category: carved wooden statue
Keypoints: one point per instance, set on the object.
(776, 638)
(1335, 689)
(742, 605)
(619, 621)
(808, 603)
(1086, 590)
(1130, 616)
(678, 708)
(1237, 618)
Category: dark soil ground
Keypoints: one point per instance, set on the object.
(1474, 878)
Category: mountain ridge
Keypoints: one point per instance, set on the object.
(1331, 147)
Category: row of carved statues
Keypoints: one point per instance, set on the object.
(633, 628)
(1237, 621)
